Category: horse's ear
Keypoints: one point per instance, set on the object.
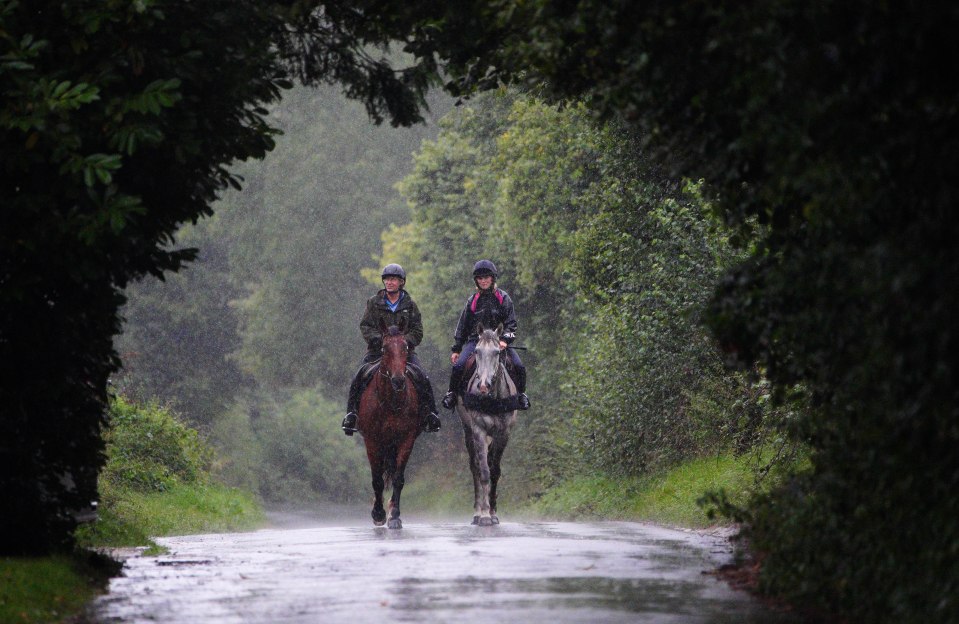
(480, 329)
(383, 327)
(402, 325)
(499, 330)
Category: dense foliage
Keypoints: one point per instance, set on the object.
(118, 123)
(148, 449)
(290, 450)
(831, 125)
(160, 478)
(257, 341)
(826, 132)
(610, 267)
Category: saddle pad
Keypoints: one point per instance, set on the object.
(491, 405)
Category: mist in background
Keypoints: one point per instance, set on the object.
(255, 343)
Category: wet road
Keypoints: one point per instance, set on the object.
(447, 572)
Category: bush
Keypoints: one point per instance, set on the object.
(157, 481)
(290, 449)
(149, 449)
(647, 261)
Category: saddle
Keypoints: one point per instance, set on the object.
(368, 370)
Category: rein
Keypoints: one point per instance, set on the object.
(396, 400)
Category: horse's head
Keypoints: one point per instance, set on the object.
(395, 353)
(487, 357)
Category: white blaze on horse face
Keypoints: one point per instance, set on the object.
(487, 361)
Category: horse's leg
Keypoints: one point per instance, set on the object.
(376, 468)
(495, 456)
(477, 491)
(480, 460)
(399, 479)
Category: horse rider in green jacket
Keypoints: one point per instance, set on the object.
(394, 306)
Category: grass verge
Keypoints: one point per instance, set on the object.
(130, 518)
(50, 589)
(667, 498)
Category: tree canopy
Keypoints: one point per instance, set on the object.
(827, 133)
(120, 122)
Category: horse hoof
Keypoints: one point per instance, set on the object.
(494, 519)
(485, 522)
(394, 523)
(475, 520)
(379, 519)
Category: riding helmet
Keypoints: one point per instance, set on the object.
(484, 267)
(394, 270)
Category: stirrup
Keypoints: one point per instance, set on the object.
(449, 401)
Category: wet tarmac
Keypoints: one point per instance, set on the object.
(533, 572)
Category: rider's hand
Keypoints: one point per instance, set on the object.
(454, 357)
(502, 345)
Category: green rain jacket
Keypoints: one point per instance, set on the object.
(407, 315)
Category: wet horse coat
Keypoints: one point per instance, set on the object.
(487, 433)
(389, 421)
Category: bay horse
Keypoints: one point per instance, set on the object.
(389, 420)
(488, 412)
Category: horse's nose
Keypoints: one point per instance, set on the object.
(484, 389)
(398, 382)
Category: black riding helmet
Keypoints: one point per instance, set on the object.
(484, 267)
(393, 270)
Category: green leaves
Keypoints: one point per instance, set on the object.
(68, 96)
(156, 96)
(93, 168)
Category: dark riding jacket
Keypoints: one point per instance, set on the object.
(407, 315)
(490, 308)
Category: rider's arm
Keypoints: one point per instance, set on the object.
(462, 331)
(368, 326)
(509, 321)
(414, 333)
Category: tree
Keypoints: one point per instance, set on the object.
(119, 123)
(827, 125)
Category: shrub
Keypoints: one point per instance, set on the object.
(149, 449)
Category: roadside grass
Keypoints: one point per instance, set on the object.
(36, 590)
(666, 498)
(131, 518)
(157, 481)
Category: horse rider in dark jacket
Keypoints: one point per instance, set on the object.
(394, 306)
(490, 306)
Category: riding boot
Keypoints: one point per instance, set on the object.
(520, 380)
(424, 389)
(349, 421)
(456, 378)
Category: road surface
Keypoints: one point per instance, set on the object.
(531, 572)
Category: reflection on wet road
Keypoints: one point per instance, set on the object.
(531, 572)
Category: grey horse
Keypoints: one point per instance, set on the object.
(488, 413)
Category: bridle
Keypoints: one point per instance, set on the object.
(398, 390)
(498, 368)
